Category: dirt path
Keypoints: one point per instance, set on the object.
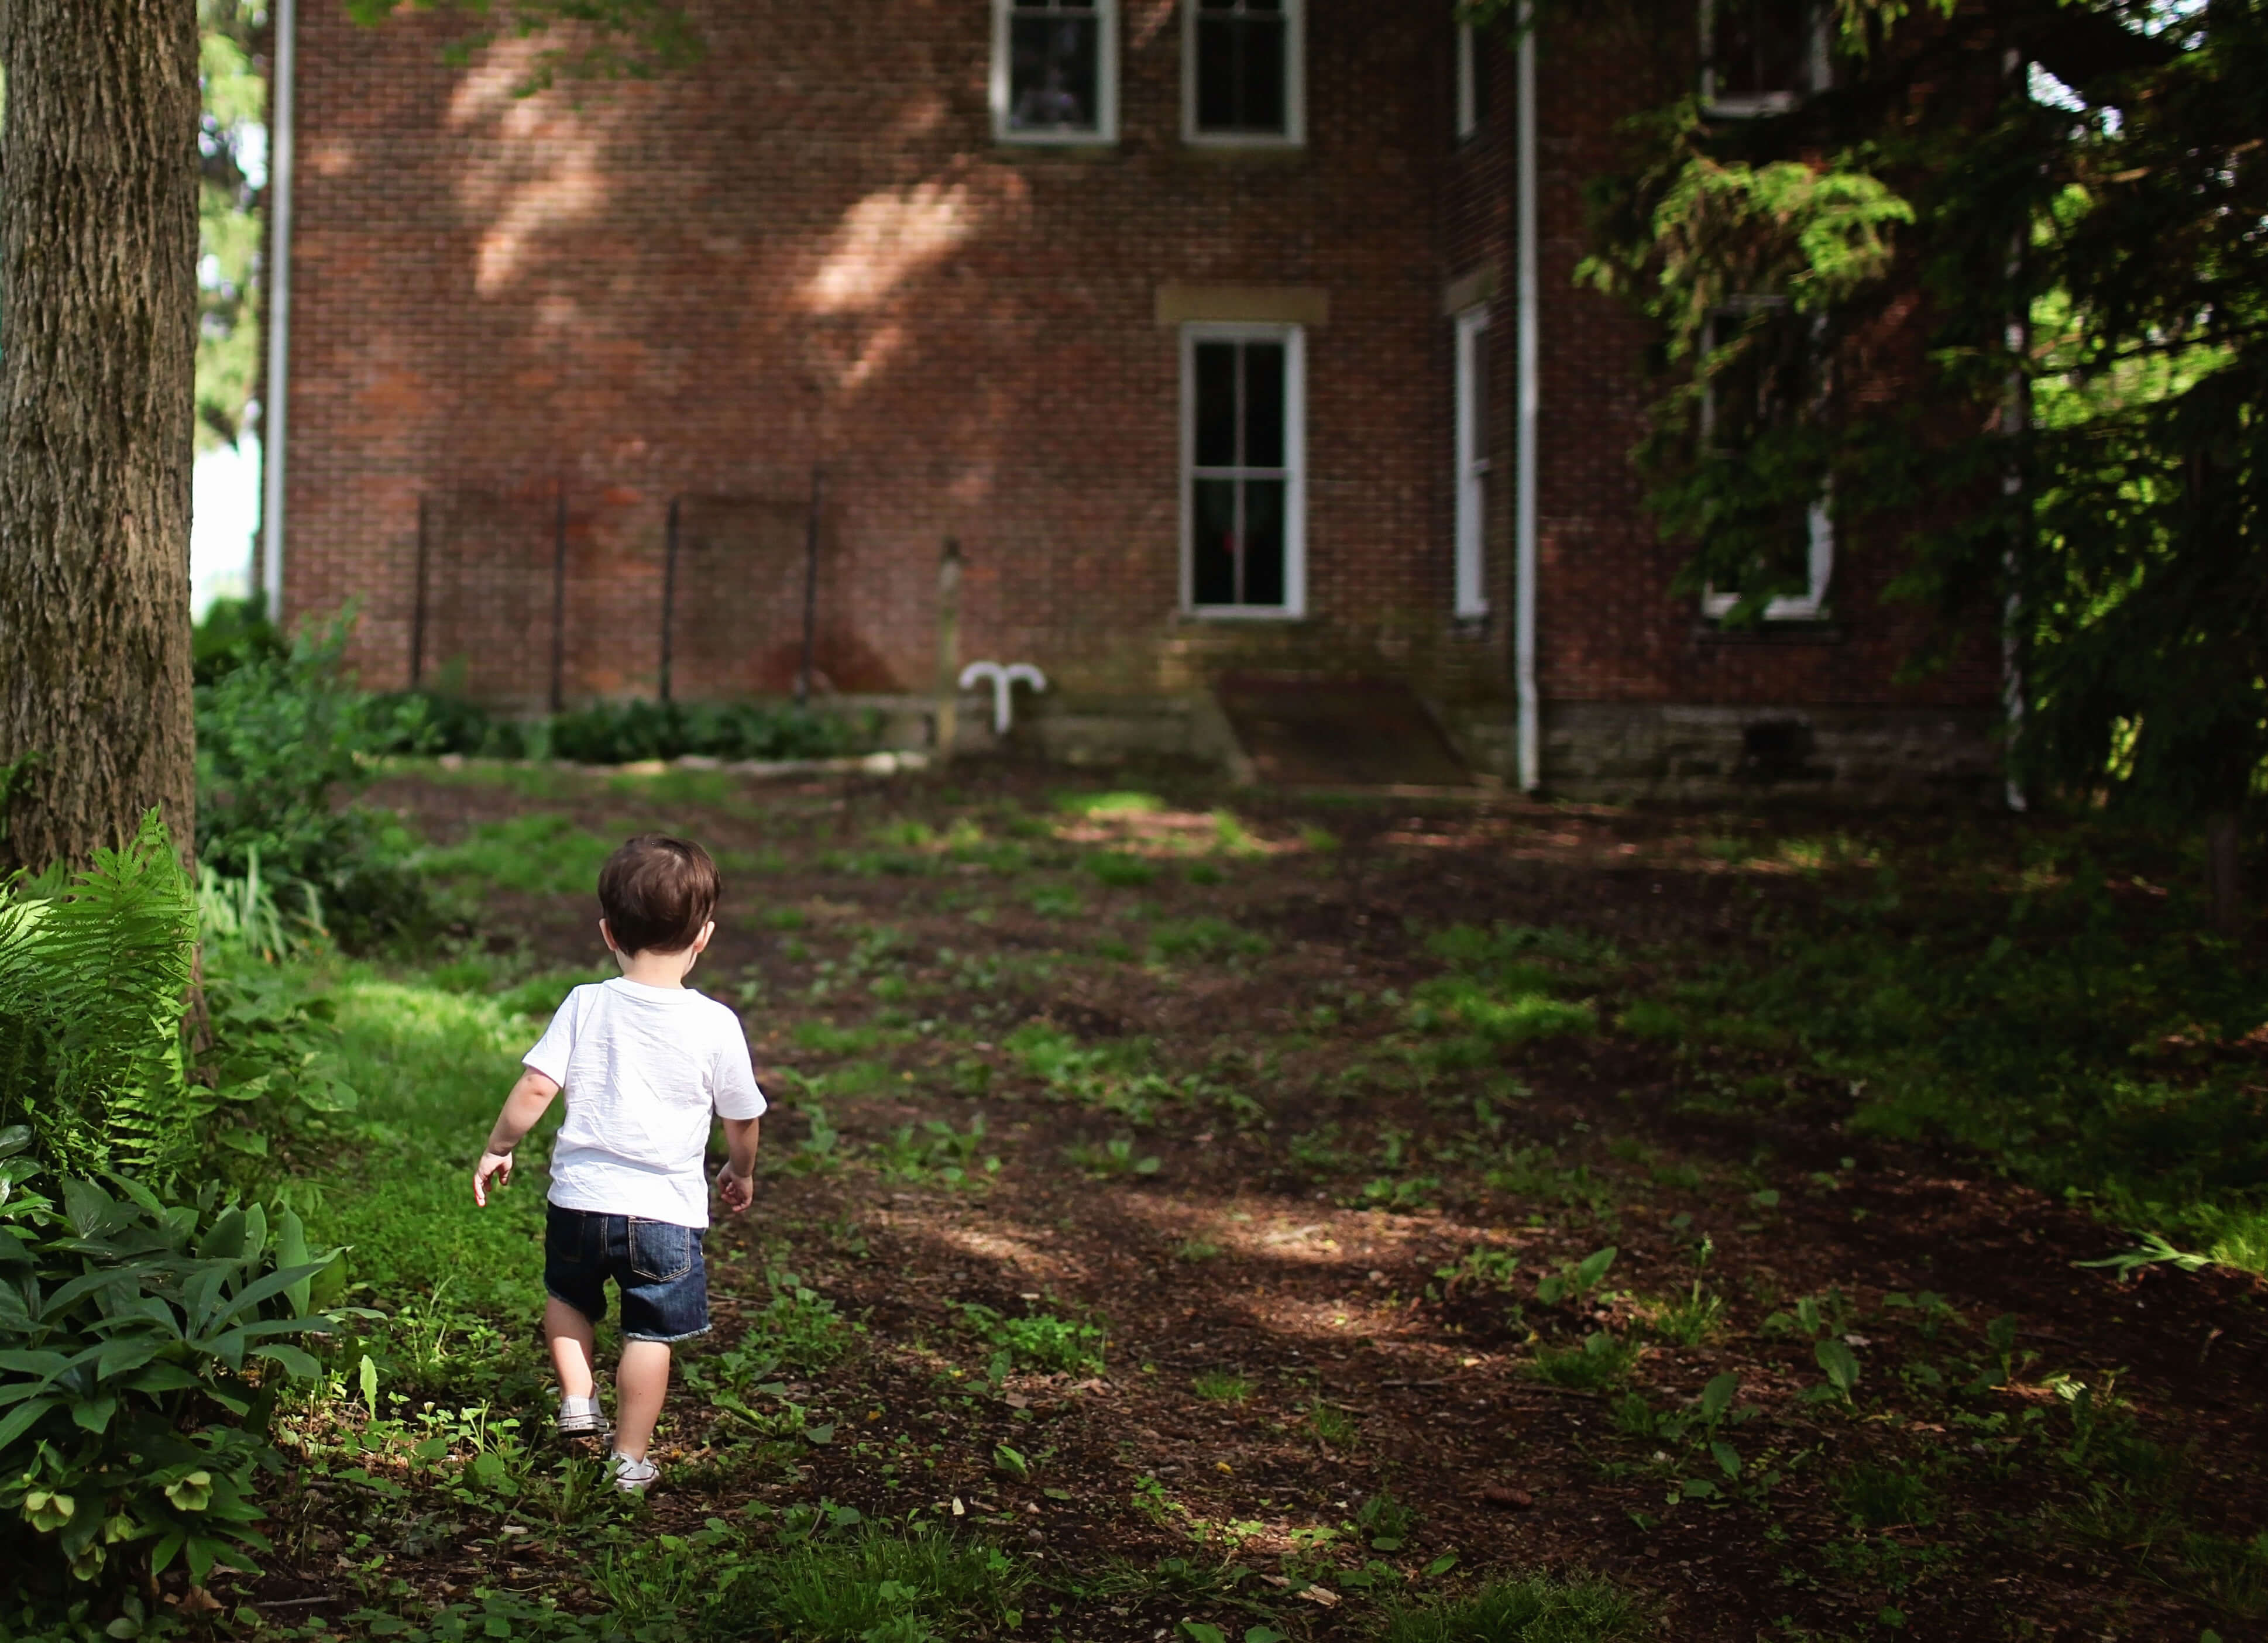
(1306, 1261)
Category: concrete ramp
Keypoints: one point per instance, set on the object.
(1338, 732)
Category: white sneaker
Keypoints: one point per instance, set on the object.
(580, 1417)
(633, 1477)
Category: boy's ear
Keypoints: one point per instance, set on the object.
(702, 941)
(608, 936)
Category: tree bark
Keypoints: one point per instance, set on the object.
(98, 169)
(2224, 871)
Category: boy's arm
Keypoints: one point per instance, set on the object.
(527, 1103)
(737, 1181)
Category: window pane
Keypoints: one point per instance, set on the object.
(1760, 46)
(1216, 407)
(1263, 542)
(1213, 547)
(1479, 400)
(1242, 70)
(1483, 77)
(1217, 43)
(1260, 88)
(1264, 404)
(1054, 72)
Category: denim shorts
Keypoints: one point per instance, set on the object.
(656, 1264)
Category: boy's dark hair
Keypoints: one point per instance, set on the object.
(656, 892)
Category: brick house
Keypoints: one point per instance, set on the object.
(1201, 329)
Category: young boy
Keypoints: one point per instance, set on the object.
(644, 1061)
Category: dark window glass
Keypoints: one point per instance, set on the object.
(1242, 70)
(1239, 494)
(1760, 48)
(1054, 68)
(1483, 77)
(1263, 405)
(1216, 391)
(1213, 571)
(1263, 542)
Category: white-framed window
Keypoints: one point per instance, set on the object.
(1055, 70)
(1761, 56)
(1243, 487)
(1472, 88)
(1243, 68)
(1472, 439)
(1759, 389)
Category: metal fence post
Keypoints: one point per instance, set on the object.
(559, 599)
(669, 594)
(417, 602)
(810, 583)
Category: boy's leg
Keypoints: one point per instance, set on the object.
(570, 1335)
(640, 1384)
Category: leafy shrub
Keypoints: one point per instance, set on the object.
(1599, 1362)
(235, 632)
(1042, 1341)
(620, 733)
(140, 1343)
(279, 735)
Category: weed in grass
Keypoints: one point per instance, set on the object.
(1116, 1156)
(1575, 1280)
(1651, 1018)
(541, 852)
(1054, 901)
(1333, 1426)
(825, 1038)
(1205, 872)
(1196, 1249)
(1693, 1319)
(1530, 1608)
(1119, 871)
(1214, 939)
(877, 1585)
(1118, 802)
(800, 1325)
(1878, 1495)
(1601, 1362)
(1483, 1267)
(936, 1152)
(1221, 1386)
(1386, 1521)
(1040, 1341)
(1398, 1195)
(2230, 1575)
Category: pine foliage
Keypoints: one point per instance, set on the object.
(93, 985)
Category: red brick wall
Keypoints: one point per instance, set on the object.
(808, 249)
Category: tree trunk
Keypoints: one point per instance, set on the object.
(98, 386)
(2224, 871)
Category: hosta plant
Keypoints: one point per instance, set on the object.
(141, 1345)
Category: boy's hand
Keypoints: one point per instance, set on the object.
(497, 1164)
(737, 1190)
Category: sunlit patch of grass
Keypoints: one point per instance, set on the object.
(825, 1038)
(1198, 1249)
(1055, 900)
(1119, 803)
(543, 853)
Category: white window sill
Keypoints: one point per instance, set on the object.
(1057, 139)
(1242, 613)
(1247, 140)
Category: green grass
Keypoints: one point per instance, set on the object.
(542, 852)
(1221, 1386)
(432, 1067)
(1601, 1361)
(1529, 1609)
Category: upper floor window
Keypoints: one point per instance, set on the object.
(1761, 56)
(1473, 87)
(1055, 70)
(1760, 389)
(1242, 70)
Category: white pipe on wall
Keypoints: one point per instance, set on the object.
(1528, 344)
(279, 308)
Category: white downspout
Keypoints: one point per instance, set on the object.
(1528, 345)
(279, 310)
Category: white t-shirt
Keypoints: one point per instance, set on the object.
(641, 1068)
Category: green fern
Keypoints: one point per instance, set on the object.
(92, 988)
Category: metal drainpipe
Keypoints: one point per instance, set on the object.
(1529, 345)
(279, 307)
